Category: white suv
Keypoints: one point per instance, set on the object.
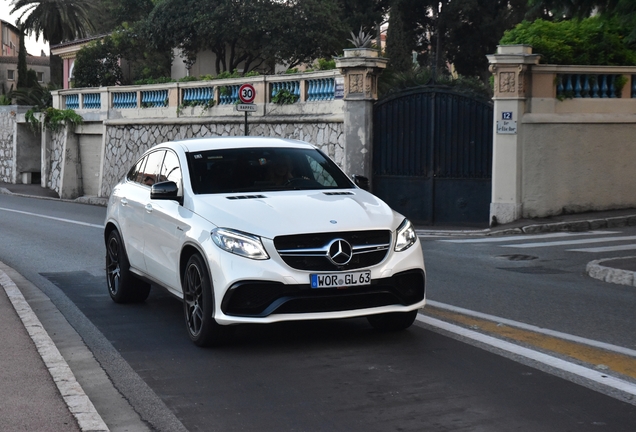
(259, 230)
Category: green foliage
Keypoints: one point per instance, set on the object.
(362, 39)
(401, 37)
(292, 71)
(36, 96)
(55, 21)
(204, 105)
(248, 34)
(392, 81)
(208, 77)
(52, 118)
(619, 83)
(160, 80)
(22, 63)
(591, 41)
(188, 79)
(97, 64)
(5, 100)
(284, 97)
(141, 59)
(325, 64)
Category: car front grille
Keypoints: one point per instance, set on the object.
(310, 251)
(261, 298)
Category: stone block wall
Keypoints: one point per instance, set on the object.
(125, 143)
(55, 158)
(7, 130)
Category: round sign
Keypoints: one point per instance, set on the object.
(247, 94)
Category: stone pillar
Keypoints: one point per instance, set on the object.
(511, 68)
(360, 68)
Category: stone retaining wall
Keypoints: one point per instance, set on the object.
(7, 130)
(125, 143)
(54, 157)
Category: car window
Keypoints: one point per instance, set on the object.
(320, 174)
(153, 168)
(263, 169)
(171, 171)
(136, 172)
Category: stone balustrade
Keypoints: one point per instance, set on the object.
(313, 93)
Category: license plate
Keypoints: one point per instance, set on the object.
(336, 280)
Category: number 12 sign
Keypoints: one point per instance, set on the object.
(247, 94)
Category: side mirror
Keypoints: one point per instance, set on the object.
(361, 181)
(165, 191)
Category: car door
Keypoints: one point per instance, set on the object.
(166, 220)
(129, 197)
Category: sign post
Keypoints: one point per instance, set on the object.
(247, 94)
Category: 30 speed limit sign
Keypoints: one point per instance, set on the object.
(247, 94)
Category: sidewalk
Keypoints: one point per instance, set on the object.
(39, 391)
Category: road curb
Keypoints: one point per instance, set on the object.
(78, 403)
(598, 271)
(571, 226)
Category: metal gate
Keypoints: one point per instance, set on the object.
(432, 156)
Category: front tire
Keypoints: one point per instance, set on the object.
(198, 305)
(394, 321)
(123, 286)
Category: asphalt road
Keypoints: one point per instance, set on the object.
(338, 375)
(537, 280)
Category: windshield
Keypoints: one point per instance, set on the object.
(263, 170)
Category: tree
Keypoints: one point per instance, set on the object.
(368, 14)
(624, 11)
(56, 21)
(401, 38)
(22, 63)
(97, 65)
(248, 33)
(591, 41)
(460, 32)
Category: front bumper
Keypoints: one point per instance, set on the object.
(250, 291)
(263, 298)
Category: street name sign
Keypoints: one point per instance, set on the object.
(507, 127)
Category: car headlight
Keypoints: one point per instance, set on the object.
(406, 236)
(239, 243)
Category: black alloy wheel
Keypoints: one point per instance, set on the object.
(198, 305)
(123, 286)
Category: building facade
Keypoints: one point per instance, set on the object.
(10, 41)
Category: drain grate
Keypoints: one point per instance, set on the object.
(518, 257)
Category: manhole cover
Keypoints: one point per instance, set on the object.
(518, 257)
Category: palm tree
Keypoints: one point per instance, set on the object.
(57, 21)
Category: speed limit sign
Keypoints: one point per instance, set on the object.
(247, 94)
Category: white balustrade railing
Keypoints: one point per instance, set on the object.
(218, 96)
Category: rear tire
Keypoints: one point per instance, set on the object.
(198, 306)
(394, 321)
(123, 286)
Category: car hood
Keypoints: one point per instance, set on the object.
(269, 214)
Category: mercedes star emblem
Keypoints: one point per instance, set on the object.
(339, 252)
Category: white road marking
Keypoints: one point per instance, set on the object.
(548, 360)
(571, 242)
(53, 218)
(541, 330)
(606, 248)
(527, 237)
